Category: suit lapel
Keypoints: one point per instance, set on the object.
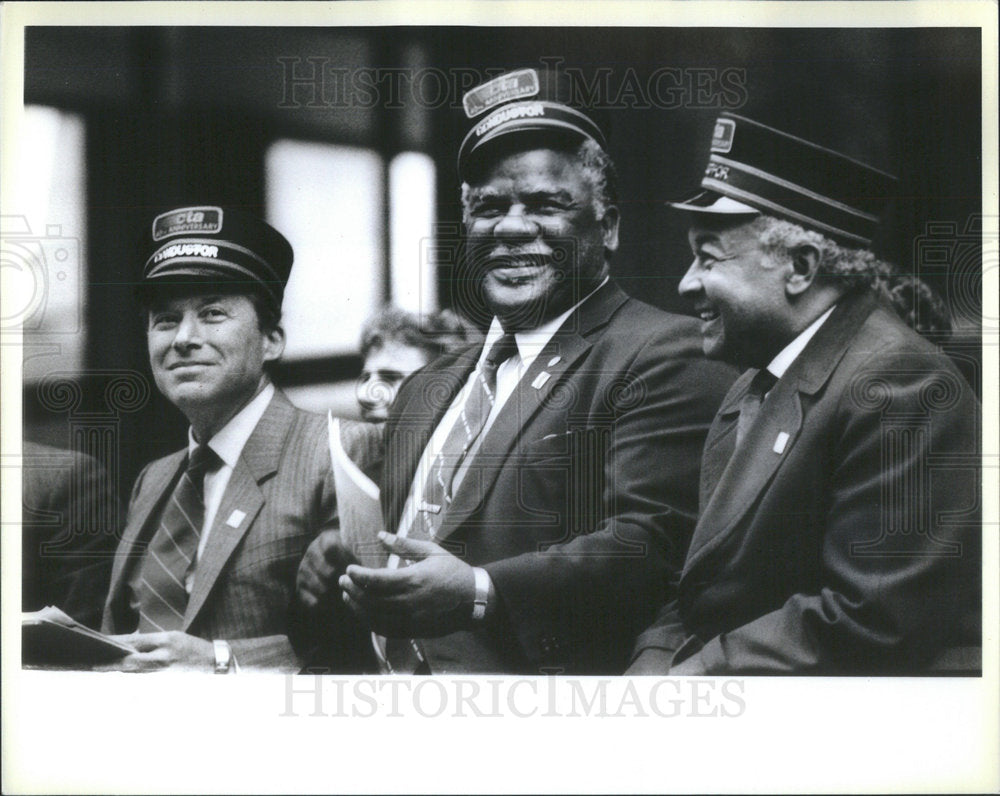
(158, 483)
(748, 471)
(242, 500)
(422, 403)
(751, 465)
(568, 345)
(721, 440)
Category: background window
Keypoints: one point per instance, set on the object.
(328, 201)
(43, 264)
(411, 224)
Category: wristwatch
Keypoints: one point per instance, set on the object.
(482, 594)
(223, 656)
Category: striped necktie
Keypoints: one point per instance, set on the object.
(403, 655)
(479, 403)
(173, 548)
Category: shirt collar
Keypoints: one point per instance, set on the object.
(230, 440)
(531, 342)
(787, 355)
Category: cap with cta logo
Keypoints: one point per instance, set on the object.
(208, 246)
(753, 168)
(530, 105)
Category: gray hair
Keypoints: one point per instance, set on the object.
(858, 270)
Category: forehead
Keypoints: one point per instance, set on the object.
(721, 231)
(186, 299)
(541, 169)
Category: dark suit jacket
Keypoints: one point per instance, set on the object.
(69, 532)
(245, 579)
(843, 536)
(582, 498)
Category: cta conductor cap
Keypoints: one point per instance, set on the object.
(536, 106)
(753, 168)
(210, 247)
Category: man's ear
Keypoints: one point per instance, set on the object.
(804, 262)
(274, 344)
(609, 223)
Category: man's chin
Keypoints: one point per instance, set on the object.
(715, 348)
(524, 306)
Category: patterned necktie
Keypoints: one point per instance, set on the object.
(404, 655)
(173, 548)
(750, 406)
(479, 403)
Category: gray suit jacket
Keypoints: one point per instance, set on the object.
(282, 494)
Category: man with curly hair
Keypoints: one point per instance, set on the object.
(838, 529)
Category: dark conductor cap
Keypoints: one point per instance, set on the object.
(534, 105)
(754, 169)
(211, 247)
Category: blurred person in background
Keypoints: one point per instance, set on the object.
(396, 343)
(69, 532)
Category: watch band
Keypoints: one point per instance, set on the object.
(482, 593)
(223, 656)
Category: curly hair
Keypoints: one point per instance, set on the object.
(435, 333)
(857, 270)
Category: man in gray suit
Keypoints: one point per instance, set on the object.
(206, 568)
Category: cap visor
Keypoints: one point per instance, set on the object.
(714, 203)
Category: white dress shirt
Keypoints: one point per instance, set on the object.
(529, 346)
(228, 444)
(790, 352)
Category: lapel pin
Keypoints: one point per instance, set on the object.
(236, 518)
(781, 442)
(554, 361)
(540, 379)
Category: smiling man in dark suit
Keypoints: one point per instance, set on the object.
(205, 572)
(839, 526)
(539, 489)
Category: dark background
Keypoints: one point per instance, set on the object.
(179, 115)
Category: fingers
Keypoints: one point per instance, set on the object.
(413, 549)
(310, 586)
(318, 570)
(335, 553)
(380, 582)
(144, 642)
(136, 662)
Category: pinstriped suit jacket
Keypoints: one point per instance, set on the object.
(245, 580)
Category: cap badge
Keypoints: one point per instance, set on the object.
(722, 136)
(519, 111)
(187, 219)
(515, 85)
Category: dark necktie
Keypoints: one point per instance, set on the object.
(173, 549)
(403, 655)
(750, 406)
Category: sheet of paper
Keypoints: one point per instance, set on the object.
(357, 503)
